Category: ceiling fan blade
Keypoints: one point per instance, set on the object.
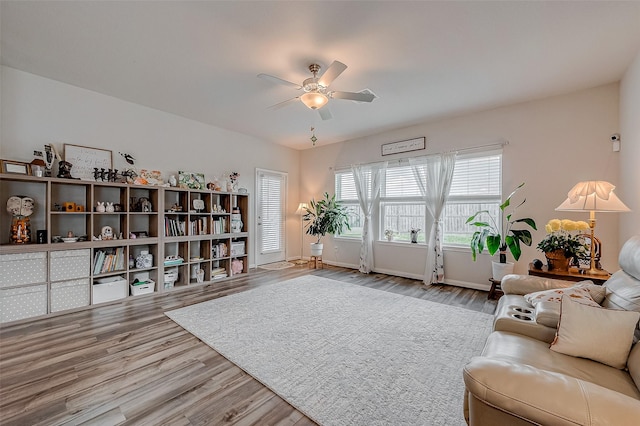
(325, 113)
(334, 70)
(284, 103)
(360, 97)
(278, 80)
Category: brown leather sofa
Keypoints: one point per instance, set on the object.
(519, 380)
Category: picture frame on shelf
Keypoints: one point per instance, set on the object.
(191, 180)
(15, 167)
(85, 159)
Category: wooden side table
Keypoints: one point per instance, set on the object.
(570, 275)
(496, 289)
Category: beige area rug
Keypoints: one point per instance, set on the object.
(277, 266)
(345, 354)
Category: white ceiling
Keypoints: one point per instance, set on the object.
(424, 60)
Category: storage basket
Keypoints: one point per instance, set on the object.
(143, 287)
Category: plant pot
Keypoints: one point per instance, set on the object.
(501, 269)
(557, 261)
(316, 249)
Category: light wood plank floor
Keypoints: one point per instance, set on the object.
(127, 363)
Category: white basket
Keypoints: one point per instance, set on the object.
(147, 287)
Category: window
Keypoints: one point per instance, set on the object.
(401, 204)
(476, 186)
(346, 192)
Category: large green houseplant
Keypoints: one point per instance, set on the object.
(325, 216)
(490, 236)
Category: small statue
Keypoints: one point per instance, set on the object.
(64, 170)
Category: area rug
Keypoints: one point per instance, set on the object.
(344, 354)
(276, 266)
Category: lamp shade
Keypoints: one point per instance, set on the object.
(314, 100)
(595, 195)
(302, 208)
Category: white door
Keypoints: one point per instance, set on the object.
(270, 216)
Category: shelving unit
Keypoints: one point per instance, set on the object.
(39, 279)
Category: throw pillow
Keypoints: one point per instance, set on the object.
(603, 335)
(579, 292)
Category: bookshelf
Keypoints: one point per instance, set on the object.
(183, 235)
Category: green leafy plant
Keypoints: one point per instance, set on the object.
(326, 216)
(489, 235)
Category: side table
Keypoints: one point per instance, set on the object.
(496, 289)
(570, 275)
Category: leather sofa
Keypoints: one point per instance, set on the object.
(520, 380)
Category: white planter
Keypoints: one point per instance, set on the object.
(316, 249)
(501, 269)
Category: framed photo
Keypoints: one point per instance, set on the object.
(191, 180)
(15, 167)
(84, 159)
(404, 146)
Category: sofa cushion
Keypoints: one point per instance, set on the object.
(548, 313)
(525, 350)
(599, 334)
(579, 293)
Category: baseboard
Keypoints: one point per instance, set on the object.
(468, 284)
(457, 283)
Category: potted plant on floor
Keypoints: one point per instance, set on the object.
(326, 216)
(490, 236)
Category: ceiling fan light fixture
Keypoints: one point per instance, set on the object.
(314, 100)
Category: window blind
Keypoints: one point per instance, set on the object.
(271, 214)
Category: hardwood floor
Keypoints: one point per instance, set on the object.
(127, 363)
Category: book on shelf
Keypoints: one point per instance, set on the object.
(108, 260)
(173, 227)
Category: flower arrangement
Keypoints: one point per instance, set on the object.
(563, 234)
(233, 176)
(389, 233)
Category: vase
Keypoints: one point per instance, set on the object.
(557, 261)
(499, 270)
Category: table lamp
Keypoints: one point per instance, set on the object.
(593, 196)
(302, 210)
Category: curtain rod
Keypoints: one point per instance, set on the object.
(500, 144)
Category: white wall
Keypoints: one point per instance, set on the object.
(629, 188)
(38, 111)
(553, 144)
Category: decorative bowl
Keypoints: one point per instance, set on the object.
(70, 240)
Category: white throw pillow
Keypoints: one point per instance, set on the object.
(603, 335)
(579, 292)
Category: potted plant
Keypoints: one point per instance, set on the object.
(326, 216)
(560, 245)
(489, 235)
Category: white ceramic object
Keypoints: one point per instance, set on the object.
(501, 269)
(316, 249)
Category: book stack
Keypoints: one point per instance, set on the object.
(198, 227)
(173, 227)
(108, 260)
(219, 225)
(218, 273)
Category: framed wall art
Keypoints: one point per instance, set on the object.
(191, 180)
(15, 167)
(84, 159)
(404, 146)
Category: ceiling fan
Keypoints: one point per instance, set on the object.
(316, 89)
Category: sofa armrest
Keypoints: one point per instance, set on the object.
(525, 284)
(544, 397)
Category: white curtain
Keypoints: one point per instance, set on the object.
(434, 175)
(367, 179)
